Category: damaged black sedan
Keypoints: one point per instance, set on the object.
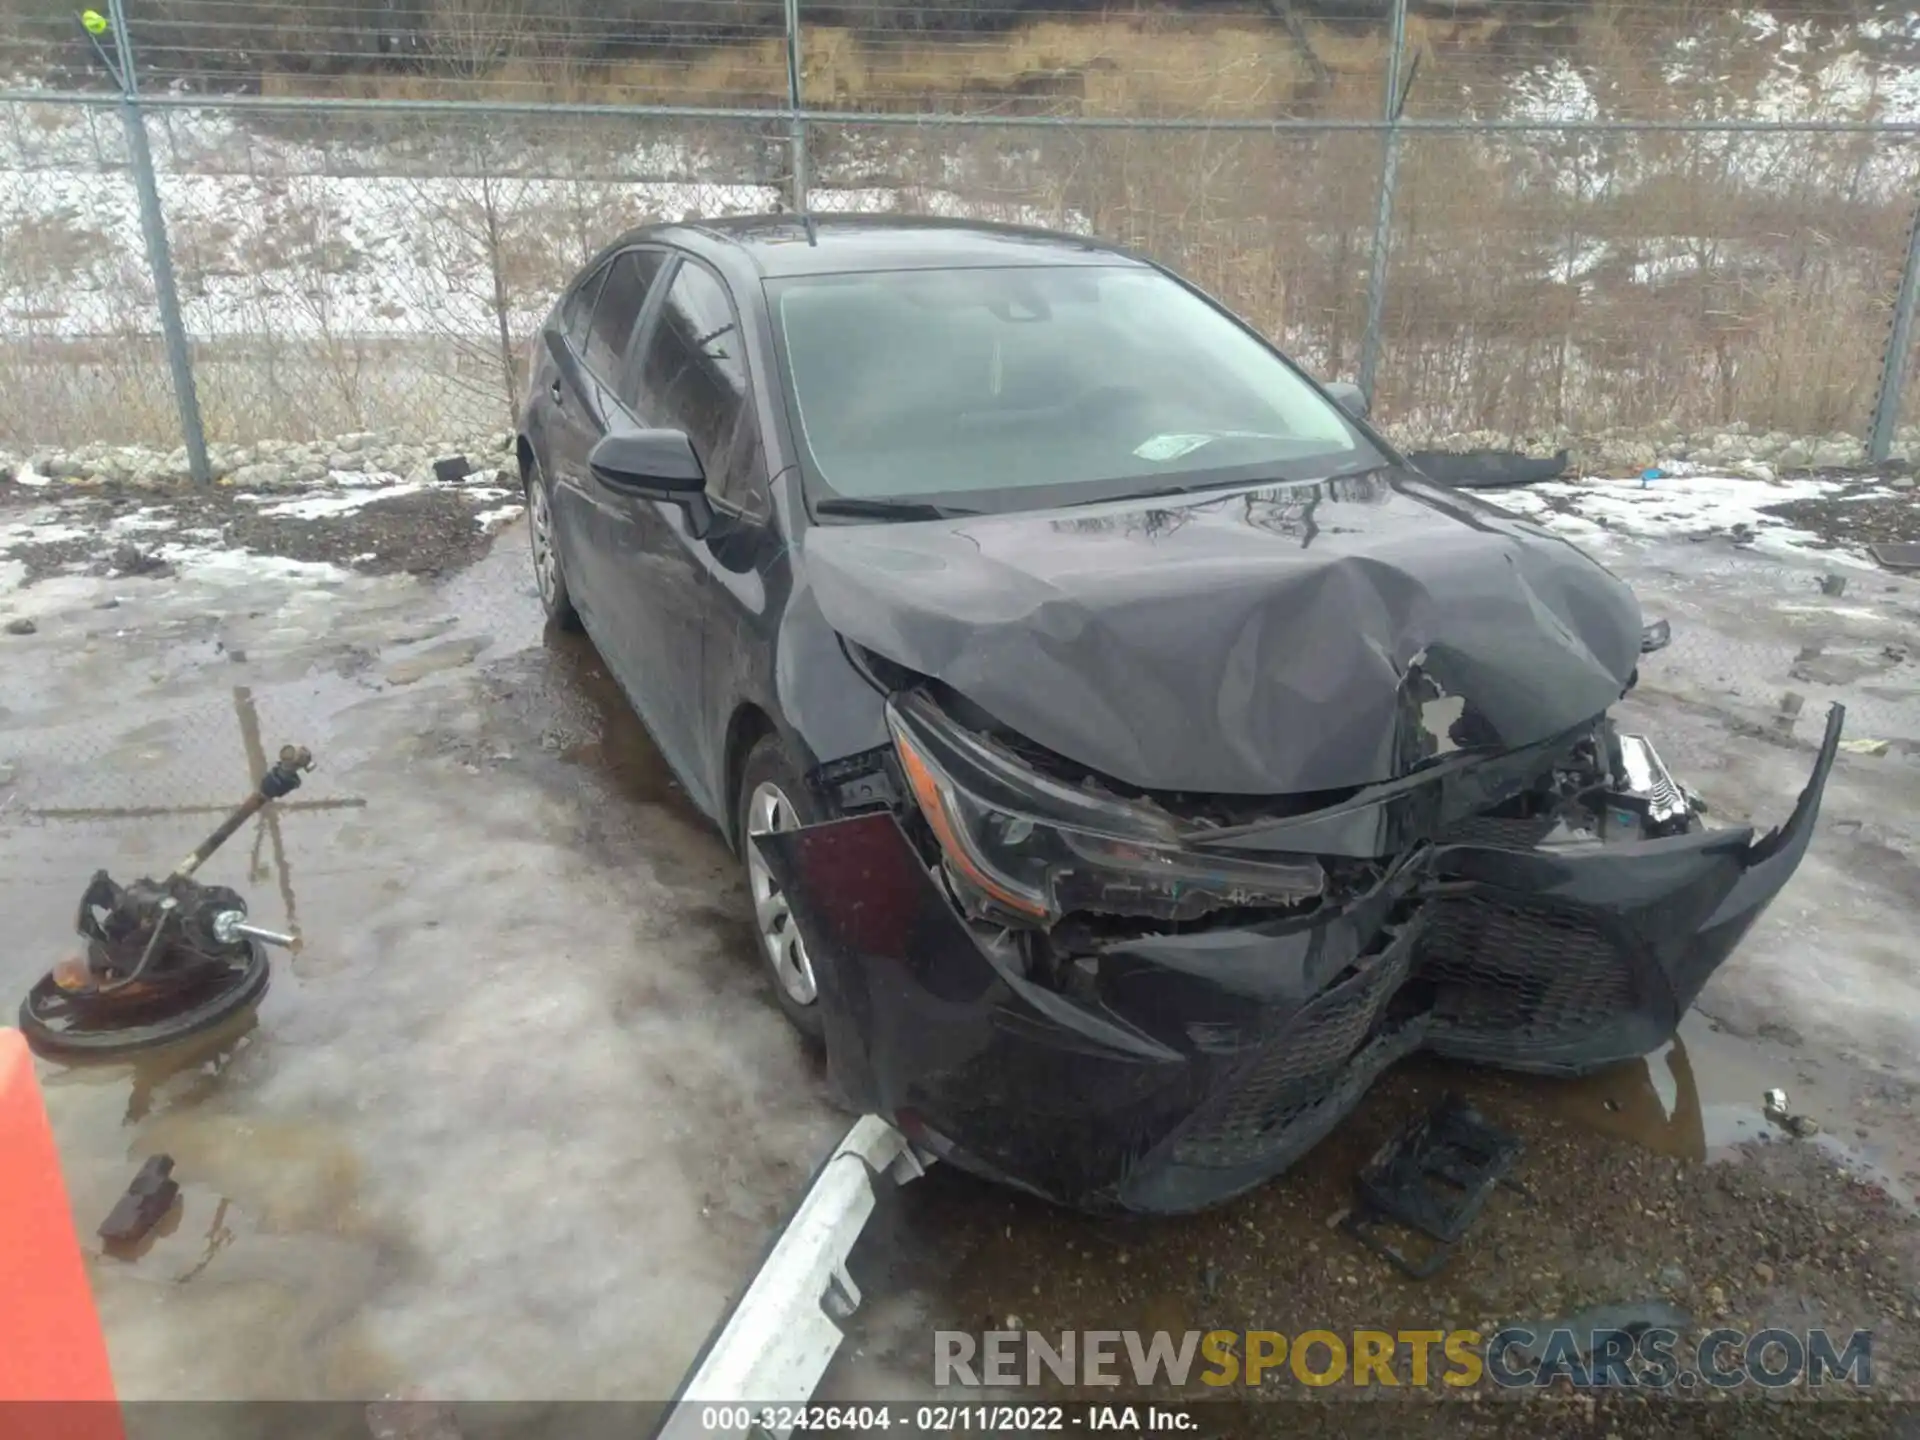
(1129, 754)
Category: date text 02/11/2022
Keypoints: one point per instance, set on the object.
(944, 1419)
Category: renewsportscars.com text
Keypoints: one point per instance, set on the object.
(1512, 1357)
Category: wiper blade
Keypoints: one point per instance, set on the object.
(1197, 487)
(873, 509)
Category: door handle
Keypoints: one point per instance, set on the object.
(556, 392)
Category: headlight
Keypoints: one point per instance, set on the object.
(1036, 848)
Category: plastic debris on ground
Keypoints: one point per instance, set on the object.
(1896, 554)
(1433, 1178)
(148, 1198)
(1487, 469)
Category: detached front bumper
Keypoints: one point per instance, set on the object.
(1206, 1062)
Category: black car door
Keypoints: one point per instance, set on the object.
(689, 374)
(589, 353)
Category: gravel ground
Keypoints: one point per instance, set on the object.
(1774, 1233)
(1865, 513)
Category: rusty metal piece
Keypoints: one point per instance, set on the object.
(282, 778)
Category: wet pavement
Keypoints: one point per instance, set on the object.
(518, 1118)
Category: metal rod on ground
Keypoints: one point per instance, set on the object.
(1370, 340)
(798, 134)
(1893, 369)
(782, 1335)
(153, 227)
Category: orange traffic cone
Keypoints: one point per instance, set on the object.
(55, 1383)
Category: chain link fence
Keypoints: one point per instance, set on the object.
(1599, 215)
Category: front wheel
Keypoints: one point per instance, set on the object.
(772, 799)
(548, 575)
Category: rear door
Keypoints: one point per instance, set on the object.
(589, 353)
(688, 374)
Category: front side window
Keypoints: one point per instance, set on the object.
(692, 377)
(986, 383)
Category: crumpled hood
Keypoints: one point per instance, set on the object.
(1295, 638)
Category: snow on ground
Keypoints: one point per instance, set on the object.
(492, 520)
(312, 507)
(220, 565)
(1597, 512)
(45, 526)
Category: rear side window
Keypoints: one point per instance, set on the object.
(693, 378)
(616, 308)
(579, 310)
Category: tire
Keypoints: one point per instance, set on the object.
(772, 796)
(215, 1010)
(549, 571)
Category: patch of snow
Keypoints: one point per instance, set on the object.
(1588, 256)
(492, 520)
(369, 239)
(1843, 612)
(41, 529)
(1598, 510)
(51, 594)
(1646, 272)
(145, 519)
(1555, 92)
(238, 566)
(313, 507)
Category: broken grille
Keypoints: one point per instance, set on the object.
(1510, 834)
(1506, 972)
(1303, 1072)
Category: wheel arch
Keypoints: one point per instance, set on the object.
(746, 727)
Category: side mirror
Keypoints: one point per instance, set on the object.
(1349, 397)
(657, 464)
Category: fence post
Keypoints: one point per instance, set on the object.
(153, 226)
(1893, 369)
(1393, 99)
(799, 126)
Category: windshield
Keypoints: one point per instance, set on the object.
(973, 384)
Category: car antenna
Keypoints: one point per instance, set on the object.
(813, 236)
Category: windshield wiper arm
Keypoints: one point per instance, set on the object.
(881, 509)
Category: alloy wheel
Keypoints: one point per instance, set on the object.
(769, 811)
(546, 560)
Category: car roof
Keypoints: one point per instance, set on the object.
(782, 245)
